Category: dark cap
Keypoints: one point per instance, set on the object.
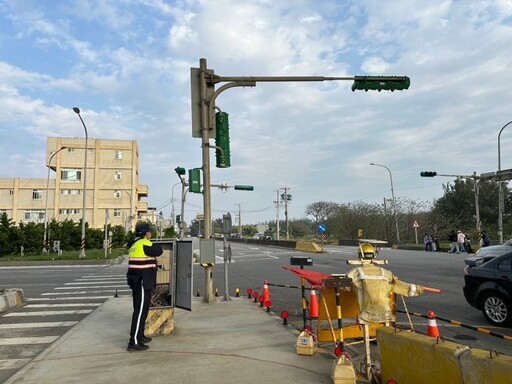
(142, 228)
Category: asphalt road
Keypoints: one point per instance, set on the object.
(251, 265)
(60, 296)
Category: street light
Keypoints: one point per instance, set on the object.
(172, 205)
(393, 197)
(82, 241)
(45, 235)
(501, 204)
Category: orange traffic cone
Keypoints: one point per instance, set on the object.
(266, 293)
(432, 329)
(313, 305)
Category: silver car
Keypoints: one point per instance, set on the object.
(485, 254)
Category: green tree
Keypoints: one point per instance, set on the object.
(8, 236)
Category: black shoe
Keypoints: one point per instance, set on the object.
(137, 347)
(145, 339)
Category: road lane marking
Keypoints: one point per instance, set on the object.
(67, 298)
(49, 313)
(49, 324)
(94, 286)
(63, 305)
(28, 340)
(83, 292)
(13, 363)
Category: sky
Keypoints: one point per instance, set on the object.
(126, 65)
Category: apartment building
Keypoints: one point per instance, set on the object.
(112, 189)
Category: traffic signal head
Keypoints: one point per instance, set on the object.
(244, 188)
(379, 83)
(178, 219)
(222, 152)
(180, 171)
(194, 180)
(428, 174)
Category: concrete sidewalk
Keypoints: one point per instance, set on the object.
(223, 342)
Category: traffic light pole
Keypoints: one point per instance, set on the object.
(206, 82)
(476, 187)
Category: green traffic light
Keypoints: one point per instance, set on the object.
(222, 152)
(244, 188)
(379, 83)
(180, 170)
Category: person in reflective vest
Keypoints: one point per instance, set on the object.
(141, 278)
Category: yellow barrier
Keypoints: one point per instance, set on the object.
(306, 246)
(408, 357)
(160, 321)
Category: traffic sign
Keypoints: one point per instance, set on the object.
(321, 229)
(415, 225)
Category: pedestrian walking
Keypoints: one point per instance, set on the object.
(141, 278)
(461, 239)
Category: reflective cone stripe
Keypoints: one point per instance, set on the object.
(432, 329)
(313, 305)
(266, 293)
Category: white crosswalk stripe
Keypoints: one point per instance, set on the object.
(28, 340)
(93, 287)
(13, 363)
(36, 325)
(62, 305)
(48, 313)
(48, 324)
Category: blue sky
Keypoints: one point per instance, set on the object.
(126, 64)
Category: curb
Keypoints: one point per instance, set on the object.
(10, 298)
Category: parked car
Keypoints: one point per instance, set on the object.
(488, 287)
(485, 254)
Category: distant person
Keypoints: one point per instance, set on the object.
(141, 278)
(467, 245)
(485, 239)
(461, 239)
(427, 240)
(452, 238)
(435, 241)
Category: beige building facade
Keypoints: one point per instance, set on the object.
(112, 193)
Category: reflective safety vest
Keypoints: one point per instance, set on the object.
(138, 259)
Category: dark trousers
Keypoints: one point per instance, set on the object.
(141, 302)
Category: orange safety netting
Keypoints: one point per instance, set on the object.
(313, 278)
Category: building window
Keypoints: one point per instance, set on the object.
(70, 191)
(117, 212)
(117, 194)
(34, 215)
(71, 150)
(118, 175)
(11, 192)
(71, 175)
(119, 155)
(37, 194)
(69, 211)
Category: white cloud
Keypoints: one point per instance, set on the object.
(126, 65)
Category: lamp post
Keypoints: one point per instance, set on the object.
(82, 241)
(393, 197)
(501, 204)
(172, 205)
(45, 235)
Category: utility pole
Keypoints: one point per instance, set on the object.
(286, 197)
(204, 121)
(239, 219)
(476, 179)
(277, 214)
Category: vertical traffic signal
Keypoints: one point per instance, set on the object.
(428, 174)
(379, 83)
(222, 152)
(194, 180)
